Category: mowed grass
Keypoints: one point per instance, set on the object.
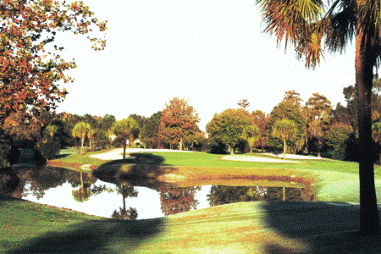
(246, 227)
(22, 221)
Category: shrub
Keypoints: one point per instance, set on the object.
(49, 147)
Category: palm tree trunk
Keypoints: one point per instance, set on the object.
(82, 141)
(124, 149)
(369, 218)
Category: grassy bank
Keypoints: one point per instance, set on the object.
(249, 227)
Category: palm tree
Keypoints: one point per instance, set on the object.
(90, 136)
(124, 129)
(285, 130)
(51, 129)
(80, 130)
(307, 25)
(251, 134)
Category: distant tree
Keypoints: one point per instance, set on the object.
(179, 122)
(90, 137)
(337, 134)
(318, 112)
(243, 103)
(285, 130)
(141, 121)
(251, 134)
(227, 127)
(110, 136)
(151, 131)
(106, 122)
(124, 129)
(92, 120)
(341, 115)
(80, 130)
(260, 119)
(292, 97)
(292, 111)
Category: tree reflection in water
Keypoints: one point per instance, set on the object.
(220, 194)
(176, 200)
(123, 213)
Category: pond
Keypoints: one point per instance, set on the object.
(85, 193)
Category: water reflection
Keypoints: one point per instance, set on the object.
(84, 192)
(176, 200)
(123, 213)
(220, 194)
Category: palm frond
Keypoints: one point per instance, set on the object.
(295, 21)
(342, 24)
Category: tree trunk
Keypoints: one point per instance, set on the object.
(231, 149)
(124, 197)
(124, 150)
(82, 141)
(284, 149)
(369, 218)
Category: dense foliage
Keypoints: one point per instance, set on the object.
(179, 122)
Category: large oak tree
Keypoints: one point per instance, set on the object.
(228, 127)
(179, 122)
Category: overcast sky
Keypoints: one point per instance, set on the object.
(211, 53)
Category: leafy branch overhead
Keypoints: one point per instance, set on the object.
(31, 68)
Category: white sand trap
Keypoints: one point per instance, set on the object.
(295, 156)
(255, 159)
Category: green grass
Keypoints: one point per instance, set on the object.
(246, 227)
(21, 221)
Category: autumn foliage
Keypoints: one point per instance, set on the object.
(178, 122)
(31, 68)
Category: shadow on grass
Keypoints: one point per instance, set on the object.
(60, 156)
(96, 237)
(323, 227)
(142, 169)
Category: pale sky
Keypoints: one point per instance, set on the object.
(211, 53)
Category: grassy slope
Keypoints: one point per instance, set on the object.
(249, 227)
(253, 227)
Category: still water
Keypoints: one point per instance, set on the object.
(85, 193)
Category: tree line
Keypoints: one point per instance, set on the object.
(313, 127)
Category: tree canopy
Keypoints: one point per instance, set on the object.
(31, 66)
(228, 126)
(124, 129)
(179, 122)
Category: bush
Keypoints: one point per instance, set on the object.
(217, 148)
(49, 147)
(8, 182)
(5, 149)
